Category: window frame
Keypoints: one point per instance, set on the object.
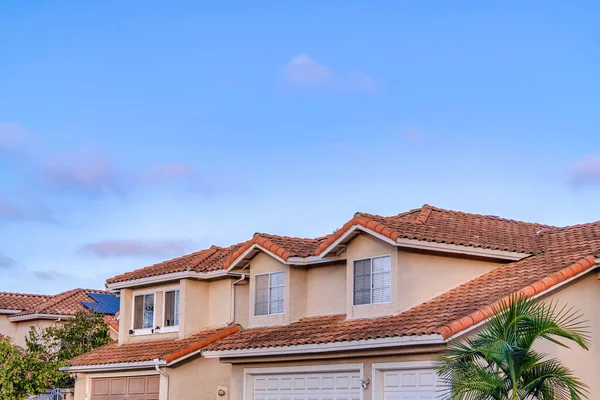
(371, 275)
(269, 294)
(159, 315)
(143, 331)
(172, 328)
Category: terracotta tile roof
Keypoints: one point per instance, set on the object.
(219, 258)
(564, 253)
(20, 301)
(434, 224)
(206, 260)
(66, 303)
(163, 349)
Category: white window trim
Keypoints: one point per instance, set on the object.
(152, 331)
(269, 294)
(371, 297)
(249, 373)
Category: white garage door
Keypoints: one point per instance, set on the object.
(308, 386)
(411, 384)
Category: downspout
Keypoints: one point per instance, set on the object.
(243, 278)
(163, 373)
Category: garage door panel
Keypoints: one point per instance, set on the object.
(308, 386)
(412, 384)
(126, 388)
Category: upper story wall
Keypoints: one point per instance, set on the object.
(415, 276)
(202, 305)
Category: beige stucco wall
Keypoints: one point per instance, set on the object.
(199, 379)
(583, 295)
(422, 277)
(23, 327)
(7, 328)
(326, 289)
(219, 303)
(193, 306)
(242, 307)
(416, 277)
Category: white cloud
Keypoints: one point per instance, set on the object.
(13, 138)
(302, 71)
(137, 248)
(585, 171)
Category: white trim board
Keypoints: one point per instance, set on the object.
(114, 367)
(39, 316)
(329, 347)
(151, 280)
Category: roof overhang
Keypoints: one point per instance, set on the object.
(28, 317)
(151, 280)
(10, 312)
(115, 367)
(338, 245)
(329, 347)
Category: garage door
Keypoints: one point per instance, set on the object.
(411, 384)
(308, 386)
(126, 388)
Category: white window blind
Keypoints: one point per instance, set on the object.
(372, 280)
(269, 294)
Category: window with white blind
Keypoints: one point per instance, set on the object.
(372, 280)
(269, 293)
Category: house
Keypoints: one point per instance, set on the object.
(20, 311)
(358, 314)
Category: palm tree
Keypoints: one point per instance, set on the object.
(499, 363)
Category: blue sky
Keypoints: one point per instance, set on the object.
(133, 132)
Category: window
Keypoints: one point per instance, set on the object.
(372, 280)
(269, 294)
(143, 317)
(172, 308)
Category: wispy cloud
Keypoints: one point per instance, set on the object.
(585, 171)
(9, 211)
(302, 71)
(51, 275)
(185, 174)
(7, 263)
(413, 135)
(86, 170)
(137, 248)
(13, 138)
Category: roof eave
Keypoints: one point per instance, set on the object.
(368, 344)
(115, 366)
(151, 280)
(28, 317)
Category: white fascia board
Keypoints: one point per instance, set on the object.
(544, 293)
(113, 367)
(38, 316)
(170, 277)
(329, 347)
(459, 249)
(351, 231)
(6, 311)
(311, 260)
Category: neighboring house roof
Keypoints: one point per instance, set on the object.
(167, 350)
(20, 301)
(103, 303)
(112, 321)
(66, 303)
(564, 253)
(437, 225)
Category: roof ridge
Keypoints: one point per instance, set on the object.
(267, 235)
(567, 227)
(492, 217)
(25, 294)
(426, 211)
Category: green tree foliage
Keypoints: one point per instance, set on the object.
(23, 373)
(499, 362)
